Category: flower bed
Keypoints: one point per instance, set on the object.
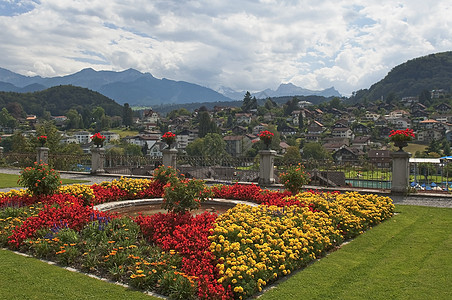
(231, 256)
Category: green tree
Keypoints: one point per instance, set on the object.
(212, 145)
(249, 102)
(300, 121)
(292, 155)
(206, 125)
(446, 148)
(290, 106)
(215, 145)
(98, 113)
(314, 150)
(53, 136)
(134, 150)
(195, 148)
(16, 110)
(270, 104)
(104, 124)
(425, 97)
(6, 119)
(127, 115)
(72, 148)
(20, 144)
(74, 119)
(336, 103)
(434, 147)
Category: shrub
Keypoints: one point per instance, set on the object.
(164, 174)
(294, 178)
(184, 195)
(40, 179)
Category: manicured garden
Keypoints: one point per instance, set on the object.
(231, 256)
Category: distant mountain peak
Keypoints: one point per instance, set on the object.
(129, 86)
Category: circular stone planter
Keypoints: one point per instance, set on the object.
(153, 206)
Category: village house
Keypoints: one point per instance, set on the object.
(243, 118)
(443, 108)
(110, 136)
(429, 135)
(431, 124)
(82, 137)
(237, 145)
(362, 142)
(400, 123)
(342, 132)
(59, 121)
(380, 158)
(316, 127)
(371, 116)
(361, 129)
(239, 130)
(185, 137)
(156, 149)
(348, 155)
(258, 128)
(288, 130)
(143, 139)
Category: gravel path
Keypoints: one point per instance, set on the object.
(416, 199)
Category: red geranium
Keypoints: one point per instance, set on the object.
(402, 135)
(98, 139)
(169, 137)
(266, 136)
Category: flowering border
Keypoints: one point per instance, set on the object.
(229, 256)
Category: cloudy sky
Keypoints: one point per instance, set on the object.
(241, 44)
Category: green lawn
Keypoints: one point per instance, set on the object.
(124, 132)
(412, 148)
(28, 278)
(10, 181)
(406, 257)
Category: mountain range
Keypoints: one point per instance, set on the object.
(136, 88)
(284, 89)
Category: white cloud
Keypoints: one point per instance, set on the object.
(246, 45)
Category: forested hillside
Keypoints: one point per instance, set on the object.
(59, 99)
(412, 78)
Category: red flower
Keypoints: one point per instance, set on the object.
(169, 137)
(402, 135)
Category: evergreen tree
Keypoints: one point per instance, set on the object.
(300, 121)
(127, 115)
(206, 125)
(249, 102)
(290, 106)
(6, 119)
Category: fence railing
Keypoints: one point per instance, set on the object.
(363, 174)
(19, 160)
(219, 168)
(70, 162)
(327, 173)
(131, 165)
(425, 176)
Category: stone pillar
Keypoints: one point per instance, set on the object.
(42, 155)
(400, 172)
(1, 152)
(97, 160)
(266, 167)
(169, 157)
